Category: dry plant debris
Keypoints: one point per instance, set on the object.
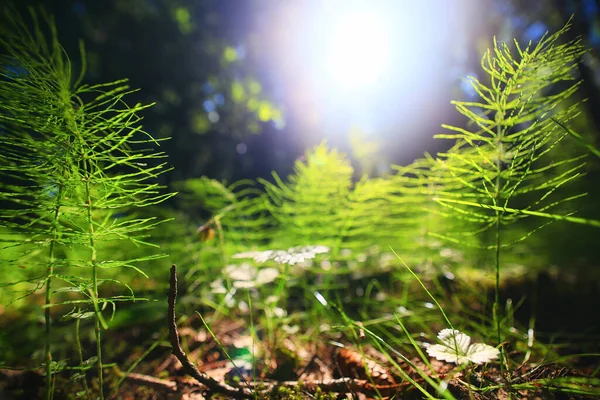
(319, 368)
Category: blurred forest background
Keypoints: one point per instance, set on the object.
(240, 88)
(243, 88)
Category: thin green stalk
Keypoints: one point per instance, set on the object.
(431, 296)
(47, 316)
(80, 354)
(496, 305)
(48, 353)
(221, 241)
(498, 214)
(94, 290)
(98, 319)
(253, 335)
(497, 286)
(216, 339)
(88, 170)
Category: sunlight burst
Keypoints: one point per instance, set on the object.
(357, 50)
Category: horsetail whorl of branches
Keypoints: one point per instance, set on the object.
(505, 154)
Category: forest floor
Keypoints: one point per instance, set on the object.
(231, 358)
(326, 371)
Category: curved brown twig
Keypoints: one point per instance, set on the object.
(188, 366)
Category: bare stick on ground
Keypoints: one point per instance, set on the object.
(188, 366)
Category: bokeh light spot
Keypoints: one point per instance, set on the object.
(230, 54)
(535, 31)
(213, 117)
(254, 87)
(237, 91)
(264, 111)
(200, 124)
(184, 20)
(252, 104)
(209, 106)
(241, 148)
(219, 99)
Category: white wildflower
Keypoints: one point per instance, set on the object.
(456, 348)
(279, 312)
(266, 275)
(218, 287)
(246, 276)
(291, 256)
(242, 272)
(291, 330)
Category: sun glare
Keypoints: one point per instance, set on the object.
(385, 66)
(376, 50)
(357, 49)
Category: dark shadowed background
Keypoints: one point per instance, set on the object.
(245, 87)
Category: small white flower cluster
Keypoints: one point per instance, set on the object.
(245, 276)
(291, 256)
(248, 276)
(456, 348)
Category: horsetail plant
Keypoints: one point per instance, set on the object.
(76, 165)
(503, 168)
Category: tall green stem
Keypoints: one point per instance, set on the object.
(94, 289)
(48, 350)
(80, 353)
(497, 295)
(47, 316)
(87, 170)
(497, 255)
(498, 214)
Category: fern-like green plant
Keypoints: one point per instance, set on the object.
(75, 164)
(321, 203)
(520, 119)
(506, 166)
(310, 207)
